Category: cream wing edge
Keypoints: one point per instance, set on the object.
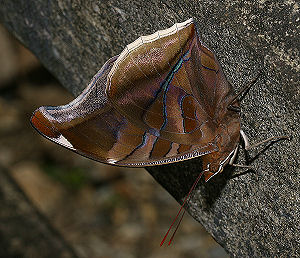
(146, 39)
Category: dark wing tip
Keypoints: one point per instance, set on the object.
(43, 125)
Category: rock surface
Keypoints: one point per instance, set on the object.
(15, 207)
(248, 217)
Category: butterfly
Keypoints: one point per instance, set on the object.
(164, 99)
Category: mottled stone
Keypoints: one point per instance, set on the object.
(24, 232)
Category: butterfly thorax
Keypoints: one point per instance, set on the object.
(228, 134)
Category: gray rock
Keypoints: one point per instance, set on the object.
(24, 231)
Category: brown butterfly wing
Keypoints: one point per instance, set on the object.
(160, 105)
(92, 127)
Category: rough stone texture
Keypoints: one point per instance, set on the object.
(248, 217)
(24, 232)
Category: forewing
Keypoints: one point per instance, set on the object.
(91, 126)
(167, 84)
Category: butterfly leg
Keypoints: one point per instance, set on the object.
(231, 163)
(232, 159)
(248, 147)
(270, 139)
